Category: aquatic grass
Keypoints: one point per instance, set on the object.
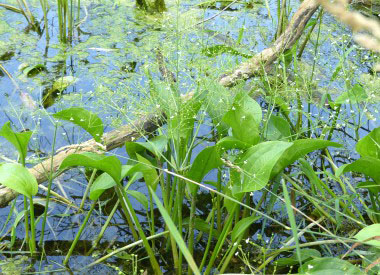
(170, 169)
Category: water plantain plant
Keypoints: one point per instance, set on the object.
(248, 152)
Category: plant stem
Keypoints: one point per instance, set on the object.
(87, 189)
(127, 213)
(221, 240)
(148, 249)
(209, 239)
(191, 228)
(26, 218)
(49, 185)
(78, 234)
(32, 227)
(104, 227)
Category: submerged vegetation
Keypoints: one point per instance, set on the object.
(238, 145)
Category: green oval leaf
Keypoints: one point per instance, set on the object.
(369, 232)
(155, 145)
(356, 94)
(373, 187)
(369, 166)
(257, 164)
(300, 148)
(244, 118)
(242, 226)
(18, 178)
(19, 140)
(305, 254)
(62, 83)
(105, 181)
(108, 164)
(34, 70)
(101, 184)
(369, 146)
(147, 169)
(83, 118)
(278, 129)
(140, 197)
(334, 266)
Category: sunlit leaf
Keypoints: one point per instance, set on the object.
(147, 169)
(228, 143)
(62, 83)
(300, 148)
(18, 178)
(176, 235)
(369, 146)
(204, 162)
(83, 118)
(278, 129)
(217, 102)
(105, 181)
(32, 71)
(356, 94)
(305, 254)
(369, 166)
(242, 226)
(372, 186)
(56, 88)
(108, 164)
(368, 232)
(257, 164)
(19, 140)
(140, 197)
(244, 118)
(155, 145)
(333, 266)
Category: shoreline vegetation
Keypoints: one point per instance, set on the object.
(225, 182)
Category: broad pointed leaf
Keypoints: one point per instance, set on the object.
(108, 164)
(18, 178)
(369, 166)
(83, 118)
(242, 226)
(257, 164)
(369, 146)
(155, 145)
(105, 181)
(19, 140)
(300, 148)
(371, 231)
(244, 118)
(147, 169)
(278, 129)
(333, 266)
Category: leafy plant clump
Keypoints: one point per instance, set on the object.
(258, 178)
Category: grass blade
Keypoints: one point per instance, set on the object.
(177, 236)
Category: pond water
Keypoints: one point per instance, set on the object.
(106, 65)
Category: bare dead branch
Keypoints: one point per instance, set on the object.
(264, 59)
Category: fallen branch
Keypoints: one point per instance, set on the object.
(149, 123)
(111, 140)
(264, 59)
